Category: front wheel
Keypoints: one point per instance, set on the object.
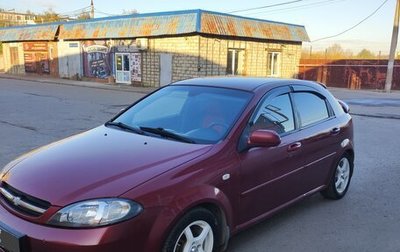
(340, 180)
(195, 232)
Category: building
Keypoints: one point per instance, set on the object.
(30, 49)
(157, 48)
(8, 18)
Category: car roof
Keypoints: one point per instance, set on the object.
(241, 83)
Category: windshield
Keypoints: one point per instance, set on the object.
(190, 114)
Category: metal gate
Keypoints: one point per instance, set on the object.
(165, 69)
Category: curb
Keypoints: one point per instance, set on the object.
(393, 117)
(65, 82)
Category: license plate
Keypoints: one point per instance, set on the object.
(11, 240)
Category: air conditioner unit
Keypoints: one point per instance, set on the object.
(142, 43)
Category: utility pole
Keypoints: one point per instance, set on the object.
(395, 35)
(91, 9)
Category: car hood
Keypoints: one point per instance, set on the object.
(102, 162)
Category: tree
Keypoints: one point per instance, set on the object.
(366, 54)
(336, 51)
(83, 16)
(49, 16)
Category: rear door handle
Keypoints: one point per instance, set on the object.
(294, 146)
(335, 131)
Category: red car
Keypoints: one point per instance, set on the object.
(182, 169)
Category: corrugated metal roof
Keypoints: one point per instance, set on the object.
(29, 33)
(228, 25)
(131, 26)
(159, 24)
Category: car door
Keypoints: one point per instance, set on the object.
(269, 176)
(320, 130)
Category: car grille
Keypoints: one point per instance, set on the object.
(23, 202)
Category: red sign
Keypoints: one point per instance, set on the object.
(36, 46)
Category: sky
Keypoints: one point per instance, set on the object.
(321, 18)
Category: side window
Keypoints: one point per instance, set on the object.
(275, 114)
(235, 62)
(273, 64)
(311, 108)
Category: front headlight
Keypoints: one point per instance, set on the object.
(95, 213)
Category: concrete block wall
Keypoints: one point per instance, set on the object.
(214, 56)
(199, 56)
(291, 54)
(151, 66)
(185, 61)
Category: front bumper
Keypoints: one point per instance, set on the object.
(131, 235)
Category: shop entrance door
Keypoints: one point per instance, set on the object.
(123, 72)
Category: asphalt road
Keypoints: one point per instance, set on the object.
(367, 219)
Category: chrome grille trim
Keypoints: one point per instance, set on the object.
(17, 201)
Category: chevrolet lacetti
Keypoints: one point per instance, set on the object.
(182, 169)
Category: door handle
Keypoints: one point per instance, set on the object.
(294, 146)
(335, 131)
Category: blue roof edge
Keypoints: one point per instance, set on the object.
(198, 22)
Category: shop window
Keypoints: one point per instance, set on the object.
(235, 62)
(274, 64)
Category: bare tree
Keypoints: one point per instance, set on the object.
(336, 51)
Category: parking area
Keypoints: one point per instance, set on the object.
(35, 113)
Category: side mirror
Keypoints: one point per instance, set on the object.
(263, 138)
(344, 106)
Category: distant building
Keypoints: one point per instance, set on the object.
(8, 18)
(156, 48)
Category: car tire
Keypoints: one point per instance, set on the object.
(340, 181)
(195, 231)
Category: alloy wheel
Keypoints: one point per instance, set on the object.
(342, 176)
(196, 237)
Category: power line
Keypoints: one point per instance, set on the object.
(298, 7)
(267, 6)
(105, 13)
(84, 9)
(354, 26)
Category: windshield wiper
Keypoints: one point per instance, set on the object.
(124, 126)
(168, 134)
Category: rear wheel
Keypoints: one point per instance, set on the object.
(340, 180)
(195, 232)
